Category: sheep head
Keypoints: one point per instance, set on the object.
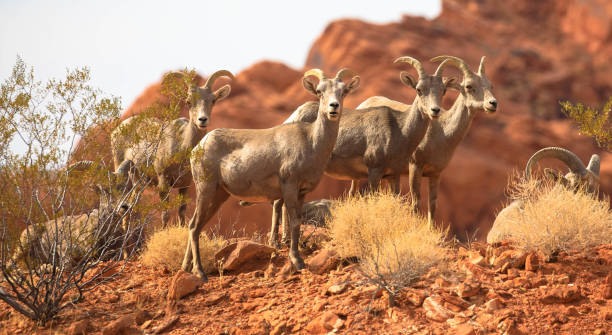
(475, 88)
(330, 91)
(113, 198)
(578, 177)
(201, 100)
(430, 88)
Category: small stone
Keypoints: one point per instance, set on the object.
(237, 254)
(324, 261)
(435, 309)
(215, 298)
(166, 325)
(599, 332)
(183, 284)
(336, 288)
(607, 289)
(141, 316)
(117, 326)
(324, 323)
(563, 295)
(532, 262)
(416, 297)
(464, 329)
(468, 289)
(493, 305)
(78, 327)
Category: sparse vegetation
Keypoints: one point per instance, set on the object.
(167, 248)
(393, 244)
(62, 227)
(592, 122)
(556, 218)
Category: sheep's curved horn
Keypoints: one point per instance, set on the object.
(481, 67)
(221, 73)
(80, 166)
(414, 62)
(345, 72)
(454, 61)
(564, 155)
(594, 164)
(440, 68)
(124, 168)
(316, 73)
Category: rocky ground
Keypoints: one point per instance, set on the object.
(485, 289)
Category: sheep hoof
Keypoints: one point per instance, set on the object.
(298, 262)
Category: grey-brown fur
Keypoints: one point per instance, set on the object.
(443, 136)
(37, 241)
(260, 165)
(168, 154)
(579, 178)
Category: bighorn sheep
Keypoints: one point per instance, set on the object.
(578, 178)
(286, 161)
(99, 230)
(377, 142)
(443, 136)
(168, 156)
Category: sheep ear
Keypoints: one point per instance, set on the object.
(407, 79)
(353, 84)
(451, 82)
(309, 85)
(223, 92)
(552, 174)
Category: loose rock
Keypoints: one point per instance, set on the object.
(183, 284)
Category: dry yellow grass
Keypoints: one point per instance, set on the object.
(555, 218)
(167, 248)
(394, 245)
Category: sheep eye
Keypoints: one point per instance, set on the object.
(469, 87)
(318, 92)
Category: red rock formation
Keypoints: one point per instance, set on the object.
(538, 54)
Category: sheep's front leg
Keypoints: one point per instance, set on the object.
(277, 206)
(285, 238)
(394, 183)
(183, 207)
(434, 183)
(208, 201)
(415, 175)
(375, 174)
(294, 207)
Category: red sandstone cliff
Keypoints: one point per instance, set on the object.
(538, 54)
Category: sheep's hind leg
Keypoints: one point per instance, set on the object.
(276, 218)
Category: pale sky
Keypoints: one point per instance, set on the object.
(130, 44)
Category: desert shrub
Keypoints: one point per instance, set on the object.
(555, 218)
(591, 121)
(394, 245)
(63, 224)
(167, 248)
